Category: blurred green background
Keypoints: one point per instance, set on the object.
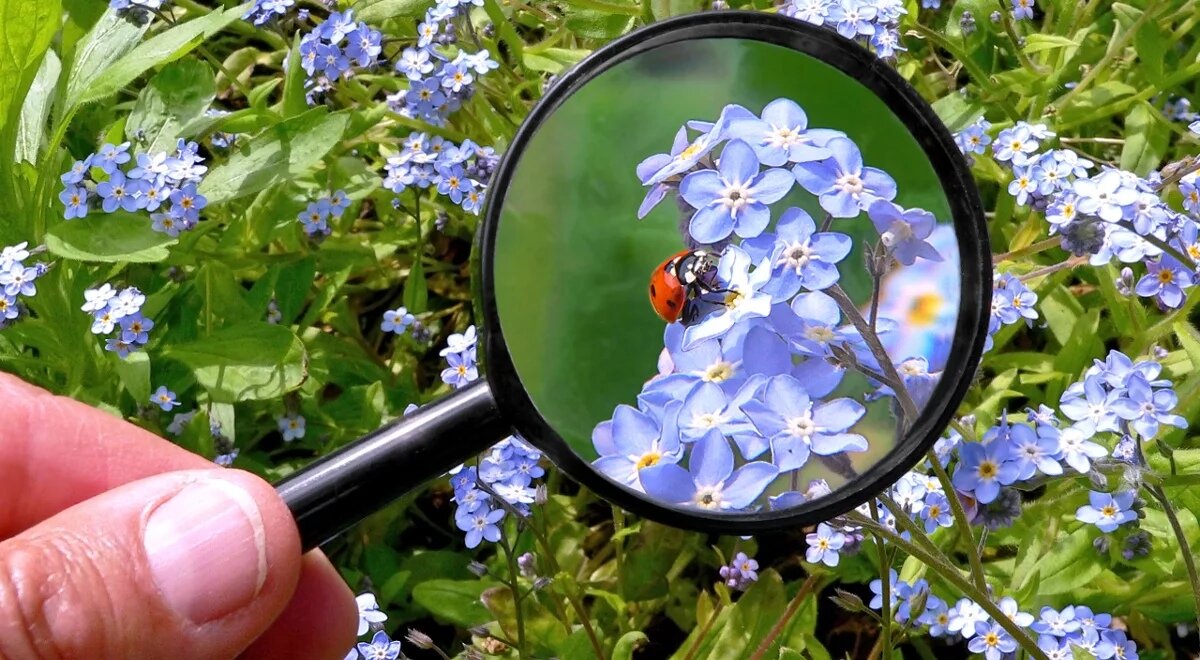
(573, 261)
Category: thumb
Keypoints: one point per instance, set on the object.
(199, 562)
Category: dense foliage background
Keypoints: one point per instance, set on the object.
(248, 228)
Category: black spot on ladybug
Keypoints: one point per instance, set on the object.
(653, 293)
(672, 304)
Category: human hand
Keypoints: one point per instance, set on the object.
(117, 544)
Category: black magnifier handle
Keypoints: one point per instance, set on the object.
(336, 491)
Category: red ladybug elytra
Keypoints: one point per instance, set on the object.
(678, 281)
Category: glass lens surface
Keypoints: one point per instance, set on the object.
(727, 275)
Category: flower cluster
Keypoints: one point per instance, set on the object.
(1104, 215)
(757, 367)
(460, 357)
(335, 48)
(264, 10)
(1060, 633)
(459, 172)
(17, 279)
(874, 22)
(740, 573)
(119, 311)
(113, 179)
(381, 647)
(508, 471)
(1012, 302)
(315, 218)
(437, 83)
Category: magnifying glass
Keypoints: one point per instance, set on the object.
(733, 277)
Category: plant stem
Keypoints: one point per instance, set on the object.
(951, 574)
(777, 629)
(691, 654)
(1050, 270)
(513, 571)
(885, 362)
(1028, 250)
(1160, 244)
(885, 582)
(1114, 47)
(960, 520)
(1189, 561)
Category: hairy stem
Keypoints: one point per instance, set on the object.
(960, 521)
(951, 574)
(1189, 561)
(885, 584)
(872, 340)
(777, 629)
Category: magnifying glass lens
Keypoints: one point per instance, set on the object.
(728, 276)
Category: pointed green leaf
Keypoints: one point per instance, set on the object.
(31, 131)
(254, 360)
(284, 151)
(112, 238)
(176, 96)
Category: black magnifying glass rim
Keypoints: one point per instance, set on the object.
(970, 229)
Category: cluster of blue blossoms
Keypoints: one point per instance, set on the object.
(315, 218)
(874, 22)
(113, 179)
(740, 572)
(456, 171)
(437, 83)
(17, 280)
(334, 49)
(1104, 215)
(1118, 402)
(118, 311)
(757, 370)
(1072, 632)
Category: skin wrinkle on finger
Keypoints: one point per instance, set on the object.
(51, 615)
(47, 438)
(46, 469)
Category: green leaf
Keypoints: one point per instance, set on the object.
(31, 131)
(416, 289)
(1035, 43)
(667, 8)
(253, 360)
(454, 601)
(629, 642)
(177, 96)
(1150, 43)
(1100, 101)
(752, 618)
(1146, 137)
(1071, 563)
(25, 32)
(592, 24)
(112, 238)
(165, 47)
(554, 60)
(282, 152)
(294, 101)
(956, 112)
(1189, 339)
(374, 11)
(134, 372)
(111, 38)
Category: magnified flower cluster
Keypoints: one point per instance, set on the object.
(115, 179)
(120, 312)
(17, 280)
(754, 388)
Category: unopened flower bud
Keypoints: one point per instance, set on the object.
(477, 568)
(419, 639)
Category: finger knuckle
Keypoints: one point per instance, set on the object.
(53, 601)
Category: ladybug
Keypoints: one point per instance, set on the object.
(679, 281)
